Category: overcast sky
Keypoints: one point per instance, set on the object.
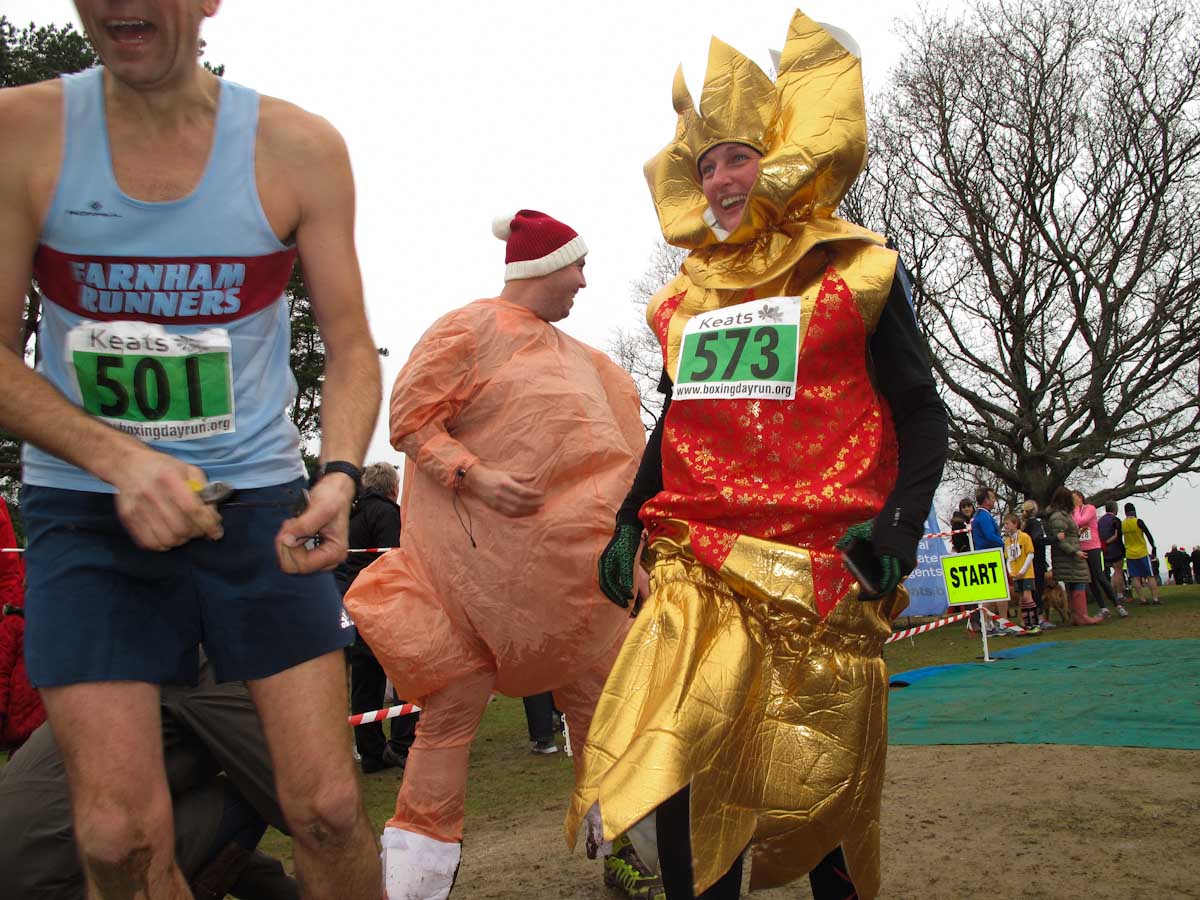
(458, 112)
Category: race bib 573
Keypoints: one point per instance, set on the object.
(155, 385)
(745, 351)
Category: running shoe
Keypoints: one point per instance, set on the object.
(1032, 630)
(544, 747)
(1105, 612)
(625, 871)
(1046, 623)
(1122, 611)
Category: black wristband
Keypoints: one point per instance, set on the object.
(340, 465)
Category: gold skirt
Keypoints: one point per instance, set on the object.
(733, 684)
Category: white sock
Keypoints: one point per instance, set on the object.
(416, 867)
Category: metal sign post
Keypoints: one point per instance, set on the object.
(976, 578)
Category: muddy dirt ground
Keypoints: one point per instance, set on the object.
(1042, 822)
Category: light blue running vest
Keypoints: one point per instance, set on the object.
(168, 320)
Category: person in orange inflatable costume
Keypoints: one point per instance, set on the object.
(521, 443)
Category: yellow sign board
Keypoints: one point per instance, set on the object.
(976, 577)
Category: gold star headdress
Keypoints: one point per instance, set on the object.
(810, 125)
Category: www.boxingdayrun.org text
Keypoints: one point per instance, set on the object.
(731, 391)
(148, 431)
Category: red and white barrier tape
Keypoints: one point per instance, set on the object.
(1003, 622)
(930, 626)
(386, 549)
(389, 712)
(947, 533)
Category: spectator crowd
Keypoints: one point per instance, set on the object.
(1103, 559)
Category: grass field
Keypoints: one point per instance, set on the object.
(505, 776)
(509, 786)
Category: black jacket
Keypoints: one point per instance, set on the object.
(374, 522)
(960, 538)
(1036, 529)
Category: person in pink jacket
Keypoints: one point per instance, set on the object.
(521, 443)
(1101, 588)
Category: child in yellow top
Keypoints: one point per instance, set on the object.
(1018, 548)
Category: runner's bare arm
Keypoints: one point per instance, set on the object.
(312, 157)
(154, 500)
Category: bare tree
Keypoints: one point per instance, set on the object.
(635, 348)
(1038, 164)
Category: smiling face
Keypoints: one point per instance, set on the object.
(727, 173)
(145, 43)
(556, 292)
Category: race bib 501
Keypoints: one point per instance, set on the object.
(745, 351)
(152, 384)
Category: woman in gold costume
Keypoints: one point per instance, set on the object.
(748, 705)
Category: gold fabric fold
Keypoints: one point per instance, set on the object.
(732, 682)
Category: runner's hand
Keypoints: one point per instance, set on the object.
(157, 504)
(889, 565)
(617, 564)
(328, 518)
(507, 493)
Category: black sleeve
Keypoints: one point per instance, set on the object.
(904, 380)
(1149, 536)
(648, 481)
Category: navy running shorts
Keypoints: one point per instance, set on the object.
(100, 608)
(1138, 568)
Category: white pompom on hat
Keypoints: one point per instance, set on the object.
(538, 244)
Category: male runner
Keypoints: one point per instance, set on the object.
(160, 209)
(520, 441)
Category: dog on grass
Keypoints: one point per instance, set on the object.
(1054, 598)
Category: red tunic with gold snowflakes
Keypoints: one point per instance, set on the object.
(797, 472)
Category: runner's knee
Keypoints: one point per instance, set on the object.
(327, 816)
(118, 837)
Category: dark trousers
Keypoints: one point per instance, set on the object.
(1101, 588)
(1039, 579)
(830, 880)
(367, 685)
(541, 717)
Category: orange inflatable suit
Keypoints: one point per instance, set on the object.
(475, 601)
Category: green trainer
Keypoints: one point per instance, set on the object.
(625, 871)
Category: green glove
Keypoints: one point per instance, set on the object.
(889, 566)
(617, 562)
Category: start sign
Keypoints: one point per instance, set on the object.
(977, 577)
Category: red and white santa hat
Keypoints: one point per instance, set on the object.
(537, 244)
